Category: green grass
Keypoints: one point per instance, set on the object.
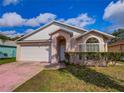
(7, 60)
(77, 78)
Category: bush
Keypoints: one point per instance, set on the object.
(105, 57)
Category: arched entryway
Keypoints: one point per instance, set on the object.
(61, 45)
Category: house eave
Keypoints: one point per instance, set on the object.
(105, 34)
(34, 41)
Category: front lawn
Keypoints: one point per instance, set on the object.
(7, 60)
(77, 78)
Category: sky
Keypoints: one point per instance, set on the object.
(18, 17)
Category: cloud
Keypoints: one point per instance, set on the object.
(8, 2)
(114, 13)
(14, 19)
(114, 27)
(45, 18)
(41, 19)
(29, 31)
(11, 33)
(80, 21)
(32, 22)
(11, 19)
(8, 32)
(14, 33)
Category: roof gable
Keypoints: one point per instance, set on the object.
(99, 32)
(62, 29)
(60, 24)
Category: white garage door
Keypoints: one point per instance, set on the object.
(35, 53)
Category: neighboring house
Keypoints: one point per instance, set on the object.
(48, 43)
(116, 47)
(7, 49)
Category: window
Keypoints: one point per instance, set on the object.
(92, 40)
(92, 45)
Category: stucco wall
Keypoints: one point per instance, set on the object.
(18, 50)
(74, 30)
(44, 33)
(72, 44)
(54, 46)
(75, 42)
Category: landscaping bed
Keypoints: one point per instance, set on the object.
(7, 60)
(77, 78)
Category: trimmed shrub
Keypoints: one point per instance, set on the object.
(98, 57)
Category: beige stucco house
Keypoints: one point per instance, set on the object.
(48, 43)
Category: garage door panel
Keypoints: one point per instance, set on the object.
(35, 53)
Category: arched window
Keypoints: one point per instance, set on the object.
(92, 40)
(92, 45)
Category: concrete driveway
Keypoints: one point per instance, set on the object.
(14, 74)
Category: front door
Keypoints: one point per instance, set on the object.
(61, 48)
(62, 52)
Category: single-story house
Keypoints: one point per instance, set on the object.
(117, 46)
(48, 43)
(7, 49)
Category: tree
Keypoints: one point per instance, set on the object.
(4, 38)
(119, 34)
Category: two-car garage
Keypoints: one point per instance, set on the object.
(35, 53)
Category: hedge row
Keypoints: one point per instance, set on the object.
(106, 56)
